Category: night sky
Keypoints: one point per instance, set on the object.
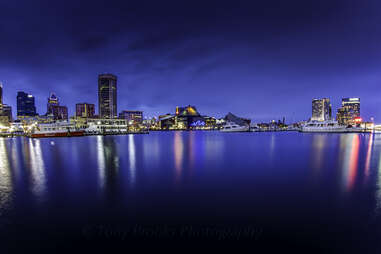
(258, 59)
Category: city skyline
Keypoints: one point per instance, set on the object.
(261, 60)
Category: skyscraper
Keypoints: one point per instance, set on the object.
(53, 108)
(350, 109)
(52, 101)
(25, 104)
(84, 110)
(321, 110)
(107, 96)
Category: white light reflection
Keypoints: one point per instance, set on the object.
(37, 168)
(179, 153)
(132, 158)
(350, 145)
(101, 161)
(368, 156)
(5, 178)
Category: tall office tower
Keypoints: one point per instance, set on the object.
(321, 110)
(107, 96)
(350, 109)
(1, 93)
(25, 104)
(84, 110)
(52, 101)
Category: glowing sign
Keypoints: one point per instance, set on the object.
(198, 123)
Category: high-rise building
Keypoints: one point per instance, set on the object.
(349, 111)
(52, 101)
(132, 115)
(321, 110)
(54, 109)
(25, 104)
(84, 110)
(107, 95)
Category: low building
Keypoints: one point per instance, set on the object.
(84, 110)
(132, 116)
(5, 114)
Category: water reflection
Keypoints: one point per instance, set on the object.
(37, 168)
(317, 151)
(178, 150)
(101, 161)
(349, 156)
(5, 178)
(108, 161)
(368, 155)
(132, 159)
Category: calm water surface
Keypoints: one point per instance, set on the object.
(313, 191)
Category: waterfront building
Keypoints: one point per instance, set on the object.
(25, 104)
(107, 95)
(55, 110)
(5, 114)
(59, 113)
(84, 110)
(321, 110)
(52, 101)
(349, 112)
(132, 116)
(186, 118)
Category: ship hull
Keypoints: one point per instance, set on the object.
(58, 134)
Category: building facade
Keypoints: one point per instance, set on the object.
(25, 104)
(107, 96)
(134, 116)
(349, 111)
(52, 102)
(321, 110)
(84, 110)
(5, 114)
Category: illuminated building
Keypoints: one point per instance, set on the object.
(55, 110)
(25, 104)
(132, 115)
(84, 110)
(107, 96)
(186, 118)
(349, 112)
(5, 114)
(321, 110)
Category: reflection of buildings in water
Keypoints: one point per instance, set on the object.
(317, 151)
(192, 146)
(108, 160)
(377, 146)
(101, 161)
(349, 150)
(37, 168)
(214, 148)
(179, 154)
(132, 158)
(151, 150)
(5, 178)
(368, 155)
(378, 184)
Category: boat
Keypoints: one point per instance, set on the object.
(329, 126)
(233, 127)
(49, 130)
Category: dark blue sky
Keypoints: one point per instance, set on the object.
(259, 59)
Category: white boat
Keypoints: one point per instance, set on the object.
(233, 127)
(59, 129)
(328, 126)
